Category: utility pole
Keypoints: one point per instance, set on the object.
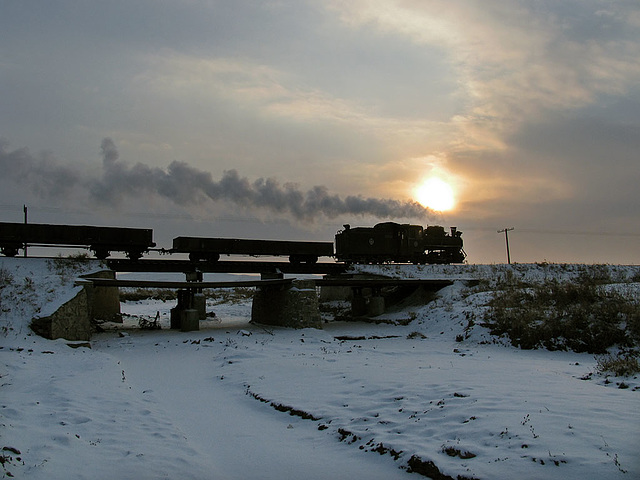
(24, 209)
(506, 237)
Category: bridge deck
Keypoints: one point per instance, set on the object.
(382, 282)
(109, 282)
(332, 282)
(226, 266)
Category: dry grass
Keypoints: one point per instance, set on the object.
(70, 266)
(580, 315)
(138, 294)
(215, 296)
(624, 364)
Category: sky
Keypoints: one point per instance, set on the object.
(288, 119)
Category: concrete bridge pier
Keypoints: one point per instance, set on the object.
(199, 302)
(104, 302)
(184, 316)
(367, 302)
(293, 306)
(358, 303)
(73, 319)
(376, 304)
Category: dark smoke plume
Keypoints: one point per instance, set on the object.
(42, 174)
(186, 185)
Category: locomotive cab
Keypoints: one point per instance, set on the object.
(411, 242)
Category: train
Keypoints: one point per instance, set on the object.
(387, 242)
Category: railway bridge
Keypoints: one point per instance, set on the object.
(278, 301)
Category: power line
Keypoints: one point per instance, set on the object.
(579, 232)
(557, 232)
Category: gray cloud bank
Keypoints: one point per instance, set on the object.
(185, 185)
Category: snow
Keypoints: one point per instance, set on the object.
(354, 400)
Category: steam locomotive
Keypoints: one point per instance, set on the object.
(393, 242)
(382, 243)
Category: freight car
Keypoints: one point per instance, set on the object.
(401, 243)
(210, 249)
(101, 240)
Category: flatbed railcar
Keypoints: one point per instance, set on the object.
(210, 249)
(101, 240)
(399, 243)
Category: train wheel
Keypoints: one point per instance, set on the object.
(420, 260)
(101, 253)
(194, 257)
(295, 260)
(134, 254)
(9, 251)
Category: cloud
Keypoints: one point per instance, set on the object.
(185, 185)
(272, 93)
(255, 112)
(517, 59)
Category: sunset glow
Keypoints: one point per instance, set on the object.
(436, 194)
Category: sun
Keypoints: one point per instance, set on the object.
(435, 194)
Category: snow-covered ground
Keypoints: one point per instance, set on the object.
(353, 400)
